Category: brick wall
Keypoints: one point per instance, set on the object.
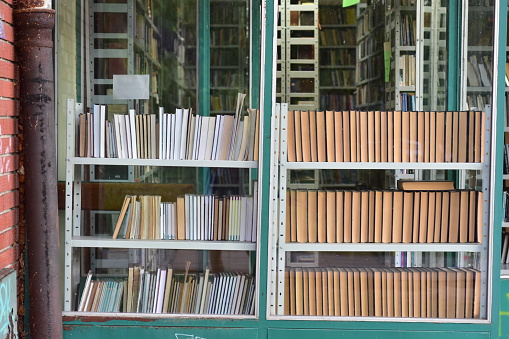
(9, 149)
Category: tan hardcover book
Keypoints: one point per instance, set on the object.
(460, 292)
(397, 217)
(377, 289)
(293, 294)
(469, 292)
(378, 216)
(423, 217)
(364, 215)
(321, 217)
(364, 292)
(397, 136)
(451, 299)
(387, 217)
(405, 136)
(181, 218)
(329, 133)
(340, 209)
(363, 128)
(371, 136)
(356, 216)
(378, 136)
(336, 292)
(478, 136)
(479, 200)
(331, 216)
(433, 284)
(347, 217)
(421, 130)
(413, 137)
(397, 292)
(390, 136)
(351, 292)
(288, 237)
(370, 292)
(432, 136)
(438, 217)
(312, 291)
(408, 210)
(427, 130)
(325, 293)
(425, 185)
(82, 145)
(416, 217)
(371, 216)
(319, 291)
(472, 227)
(390, 293)
(442, 293)
(454, 209)
(471, 136)
(383, 137)
(424, 292)
(343, 291)
(431, 216)
(477, 293)
(312, 211)
(305, 136)
(353, 136)
(123, 210)
(346, 137)
(416, 283)
(357, 292)
(444, 225)
(462, 136)
(330, 290)
(302, 221)
(298, 136)
(313, 141)
(448, 136)
(287, 292)
(305, 290)
(293, 216)
(455, 136)
(405, 297)
(338, 135)
(320, 136)
(358, 128)
(463, 216)
(384, 293)
(440, 137)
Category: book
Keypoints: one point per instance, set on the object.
(425, 185)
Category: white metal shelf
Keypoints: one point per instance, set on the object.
(379, 247)
(108, 242)
(162, 162)
(383, 165)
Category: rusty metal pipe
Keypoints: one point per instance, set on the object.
(34, 42)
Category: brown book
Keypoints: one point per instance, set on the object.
(397, 217)
(291, 152)
(357, 292)
(427, 135)
(331, 216)
(413, 137)
(454, 209)
(299, 292)
(340, 209)
(405, 136)
(438, 217)
(377, 288)
(312, 291)
(425, 185)
(358, 128)
(472, 226)
(313, 141)
(305, 290)
(371, 216)
(444, 224)
(378, 216)
(288, 237)
(305, 136)
(351, 291)
(287, 292)
(123, 210)
(383, 137)
(384, 293)
(471, 136)
(423, 217)
(455, 136)
(397, 136)
(320, 136)
(312, 210)
(363, 128)
(321, 217)
(460, 292)
(370, 292)
(364, 215)
(325, 292)
(330, 290)
(302, 209)
(390, 292)
(431, 216)
(181, 218)
(338, 135)
(378, 136)
(416, 217)
(405, 298)
(477, 293)
(319, 291)
(478, 139)
(462, 136)
(364, 292)
(469, 292)
(343, 291)
(408, 209)
(440, 137)
(329, 132)
(463, 216)
(448, 136)
(396, 273)
(82, 144)
(416, 283)
(390, 136)
(336, 292)
(356, 217)
(387, 217)
(292, 291)
(346, 136)
(451, 299)
(371, 136)
(442, 293)
(347, 216)
(479, 216)
(293, 216)
(421, 130)
(432, 136)
(298, 136)
(353, 136)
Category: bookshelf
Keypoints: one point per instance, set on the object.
(353, 252)
(192, 229)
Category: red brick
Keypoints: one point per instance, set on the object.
(7, 51)
(8, 107)
(9, 164)
(6, 13)
(7, 89)
(7, 70)
(9, 256)
(9, 200)
(7, 31)
(8, 145)
(9, 237)
(9, 182)
(8, 126)
(9, 219)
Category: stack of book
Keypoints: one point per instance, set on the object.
(505, 248)
(191, 217)
(388, 136)
(383, 292)
(165, 291)
(392, 216)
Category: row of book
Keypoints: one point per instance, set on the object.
(165, 291)
(393, 216)
(407, 70)
(385, 136)
(479, 72)
(191, 217)
(505, 205)
(505, 248)
(180, 135)
(383, 292)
